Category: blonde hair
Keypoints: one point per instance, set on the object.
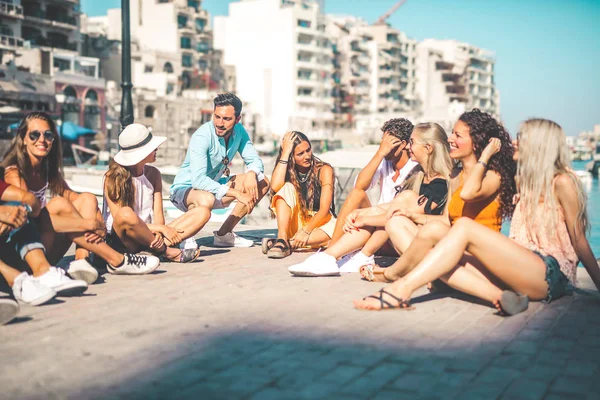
(118, 181)
(543, 154)
(439, 162)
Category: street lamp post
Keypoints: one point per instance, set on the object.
(126, 85)
(60, 99)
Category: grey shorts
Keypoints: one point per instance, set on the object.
(557, 281)
(178, 197)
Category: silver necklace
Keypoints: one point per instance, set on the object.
(301, 175)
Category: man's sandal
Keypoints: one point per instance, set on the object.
(386, 305)
(281, 249)
(267, 244)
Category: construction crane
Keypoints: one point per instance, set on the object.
(388, 14)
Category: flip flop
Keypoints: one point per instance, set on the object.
(368, 273)
(386, 305)
(512, 303)
(279, 252)
(184, 256)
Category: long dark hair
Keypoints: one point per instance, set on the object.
(483, 127)
(306, 203)
(52, 164)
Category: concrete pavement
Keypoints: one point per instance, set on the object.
(236, 325)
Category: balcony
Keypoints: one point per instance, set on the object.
(11, 10)
(10, 42)
(58, 21)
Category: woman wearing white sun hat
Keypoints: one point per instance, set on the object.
(133, 207)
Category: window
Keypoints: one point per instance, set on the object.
(195, 4)
(186, 42)
(149, 112)
(202, 47)
(168, 68)
(200, 25)
(304, 23)
(170, 88)
(148, 68)
(304, 74)
(186, 60)
(181, 21)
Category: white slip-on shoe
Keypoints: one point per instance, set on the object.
(57, 279)
(318, 264)
(28, 290)
(135, 264)
(82, 270)
(8, 310)
(353, 261)
(230, 239)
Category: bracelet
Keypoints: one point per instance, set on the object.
(482, 163)
(282, 162)
(308, 233)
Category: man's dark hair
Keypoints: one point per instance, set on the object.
(398, 127)
(229, 99)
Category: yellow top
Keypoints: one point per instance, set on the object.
(484, 212)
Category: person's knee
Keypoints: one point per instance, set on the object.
(433, 230)
(201, 198)
(357, 194)
(462, 224)
(60, 206)
(125, 216)
(88, 199)
(396, 223)
(405, 197)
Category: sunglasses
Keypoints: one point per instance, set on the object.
(518, 136)
(35, 135)
(413, 143)
(225, 162)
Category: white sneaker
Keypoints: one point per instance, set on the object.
(230, 239)
(57, 280)
(28, 290)
(82, 270)
(8, 310)
(135, 264)
(353, 261)
(318, 264)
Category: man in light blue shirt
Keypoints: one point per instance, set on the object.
(204, 178)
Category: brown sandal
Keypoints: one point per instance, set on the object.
(368, 273)
(281, 249)
(267, 244)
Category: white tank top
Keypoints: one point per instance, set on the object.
(39, 194)
(144, 202)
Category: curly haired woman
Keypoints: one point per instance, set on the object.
(303, 199)
(484, 191)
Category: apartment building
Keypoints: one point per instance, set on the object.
(454, 77)
(283, 60)
(51, 24)
(393, 77)
(352, 68)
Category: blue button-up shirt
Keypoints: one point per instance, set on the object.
(203, 163)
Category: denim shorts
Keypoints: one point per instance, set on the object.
(557, 281)
(178, 197)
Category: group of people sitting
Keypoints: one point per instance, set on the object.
(441, 205)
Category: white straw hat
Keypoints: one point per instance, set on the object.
(136, 143)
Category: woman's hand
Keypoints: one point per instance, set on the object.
(492, 148)
(171, 235)
(354, 222)
(158, 241)
(96, 233)
(287, 144)
(15, 216)
(300, 239)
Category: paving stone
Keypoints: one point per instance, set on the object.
(525, 389)
(570, 385)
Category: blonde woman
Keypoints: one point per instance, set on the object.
(427, 195)
(547, 237)
(134, 205)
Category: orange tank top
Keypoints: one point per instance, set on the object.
(484, 212)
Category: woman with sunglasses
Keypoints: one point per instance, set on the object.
(547, 237)
(424, 192)
(133, 202)
(303, 198)
(34, 162)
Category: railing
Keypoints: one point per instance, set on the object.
(11, 41)
(11, 9)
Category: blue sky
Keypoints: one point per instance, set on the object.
(547, 51)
